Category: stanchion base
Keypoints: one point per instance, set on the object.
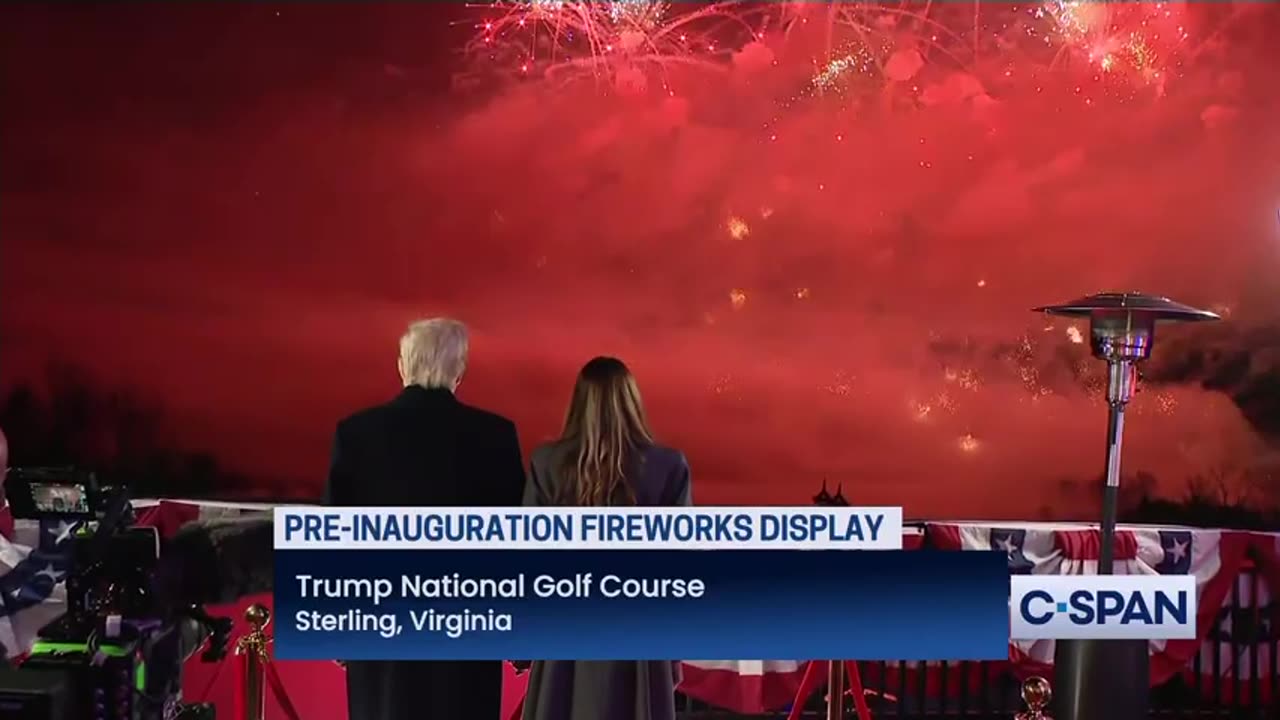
(1101, 679)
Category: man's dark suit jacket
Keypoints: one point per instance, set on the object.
(425, 449)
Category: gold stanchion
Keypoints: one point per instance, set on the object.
(1036, 693)
(253, 649)
(835, 690)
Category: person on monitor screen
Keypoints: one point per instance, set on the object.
(425, 448)
(606, 455)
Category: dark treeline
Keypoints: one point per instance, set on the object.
(71, 420)
(1241, 502)
(1200, 511)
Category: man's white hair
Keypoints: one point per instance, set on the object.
(433, 353)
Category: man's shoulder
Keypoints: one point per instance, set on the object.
(470, 415)
(485, 419)
(362, 418)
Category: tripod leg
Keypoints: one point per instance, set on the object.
(859, 694)
(808, 683)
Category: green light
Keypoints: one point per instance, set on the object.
(54, 648)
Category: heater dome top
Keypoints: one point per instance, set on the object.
(1151, 307)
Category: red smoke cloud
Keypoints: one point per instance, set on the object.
(806, 285)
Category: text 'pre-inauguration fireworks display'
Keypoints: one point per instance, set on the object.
(413, 583)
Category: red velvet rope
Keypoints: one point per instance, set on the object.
(242, 672)
(208, 688)
(277, 689)
(273, 681)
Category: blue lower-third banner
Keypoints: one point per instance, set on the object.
(640, 604)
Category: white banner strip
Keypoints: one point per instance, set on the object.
(523, 528)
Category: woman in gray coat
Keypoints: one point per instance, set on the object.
(606, 456)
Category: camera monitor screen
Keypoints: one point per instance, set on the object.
(37, 493)
(60, 499)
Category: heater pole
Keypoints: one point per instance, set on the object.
(1122, 381)
(1111, 490)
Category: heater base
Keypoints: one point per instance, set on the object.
(1101, 680)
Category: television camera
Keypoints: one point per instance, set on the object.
(117, 651)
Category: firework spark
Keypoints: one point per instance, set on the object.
(841, 384)
(889, 43)
(836, 72)
(737, 228)
(622, 39)
(1141, 41)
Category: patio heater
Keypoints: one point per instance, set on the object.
(1108, 679)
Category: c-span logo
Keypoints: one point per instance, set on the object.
(1102, 607)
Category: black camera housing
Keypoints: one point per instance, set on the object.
(118, 650)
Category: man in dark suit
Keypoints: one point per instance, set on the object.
(425, 448)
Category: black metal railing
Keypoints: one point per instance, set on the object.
(1234, 677)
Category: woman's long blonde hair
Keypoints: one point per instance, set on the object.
(606, 427)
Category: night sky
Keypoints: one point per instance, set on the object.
(235, 208)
